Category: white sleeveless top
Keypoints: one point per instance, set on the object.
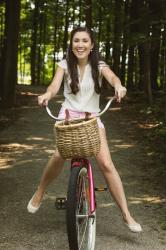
(86, 99)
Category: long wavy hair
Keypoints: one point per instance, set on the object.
(93, 59)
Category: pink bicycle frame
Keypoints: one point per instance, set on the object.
(76, 163)
(92, 192)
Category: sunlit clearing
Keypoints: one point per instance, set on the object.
(32, 6)
(35, 138)
(149, 199)
(12, 146)
(49, 197)
(116, 141)
(6, 164)
(115, 109)
(124, 146)
(106, 205)
(49, 151)
(108, 97)
(29, 93)
(148, 125)
(150, 153)
(59, 101)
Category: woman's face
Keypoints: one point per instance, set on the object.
(81, 45)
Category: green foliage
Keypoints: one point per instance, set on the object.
(50, 33)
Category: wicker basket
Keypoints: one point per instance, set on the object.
(78, 139)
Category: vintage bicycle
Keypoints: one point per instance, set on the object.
(78, 139)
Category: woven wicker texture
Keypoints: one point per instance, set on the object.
(78, 139)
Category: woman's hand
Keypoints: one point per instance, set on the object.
(44, 99)
(120, 92)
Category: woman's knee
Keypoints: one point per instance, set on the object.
(57, 157)
(56, 153)
(106, 165)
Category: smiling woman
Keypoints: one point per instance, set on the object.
(81, 46)
(82, 71)
(82, 51)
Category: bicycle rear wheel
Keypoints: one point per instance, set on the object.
(81, 225)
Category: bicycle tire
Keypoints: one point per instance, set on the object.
(77, 206)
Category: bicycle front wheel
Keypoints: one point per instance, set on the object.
(81, 225)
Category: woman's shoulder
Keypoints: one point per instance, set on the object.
(62, 64)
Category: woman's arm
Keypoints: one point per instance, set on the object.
(53, 88)
(120, 91)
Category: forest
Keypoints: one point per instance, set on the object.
(34, 35)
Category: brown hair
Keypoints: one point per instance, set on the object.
(93, 60)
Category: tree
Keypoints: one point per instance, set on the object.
(10, 52)
(35, 19)
(124, 42)
(65, 39)
(155, 12)
(132, 45)
(88, 13)
(117, 36)
(144, 48)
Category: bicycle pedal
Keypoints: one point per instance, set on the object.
(101, 189)
(60, 203)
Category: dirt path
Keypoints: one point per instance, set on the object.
(25, 148)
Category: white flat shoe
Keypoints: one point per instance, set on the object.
(32, 209)
(135, 228)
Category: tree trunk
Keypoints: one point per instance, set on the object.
(125, 42)
(117, 37)
(107, 43)
(88, 13)
(155, 42)
(39, 51)
(10, 52)
(130, 75)
(144, 49)
(132, 44)
(163, 60)
(80, 12)
(34, 43)
(100, 22)
(55, 37)
(66, 28)
(44, 46)
(2, 20)
(155, 49)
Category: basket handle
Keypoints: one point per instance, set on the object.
(87, 116)
(67, 117)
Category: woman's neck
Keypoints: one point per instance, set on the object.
(82, 62)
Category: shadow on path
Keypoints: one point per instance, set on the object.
(25, 148)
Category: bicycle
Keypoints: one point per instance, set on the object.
(81, 202)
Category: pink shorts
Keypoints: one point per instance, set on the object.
(78, 114)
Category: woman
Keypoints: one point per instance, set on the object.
(82, 72)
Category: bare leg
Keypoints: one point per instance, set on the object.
(112, 178)
(52, 170)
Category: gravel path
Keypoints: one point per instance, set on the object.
(25, 148)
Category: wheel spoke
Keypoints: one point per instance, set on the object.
(81, 224)
(82, 213)
(80, 244)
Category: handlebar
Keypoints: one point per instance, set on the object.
(101, 113)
